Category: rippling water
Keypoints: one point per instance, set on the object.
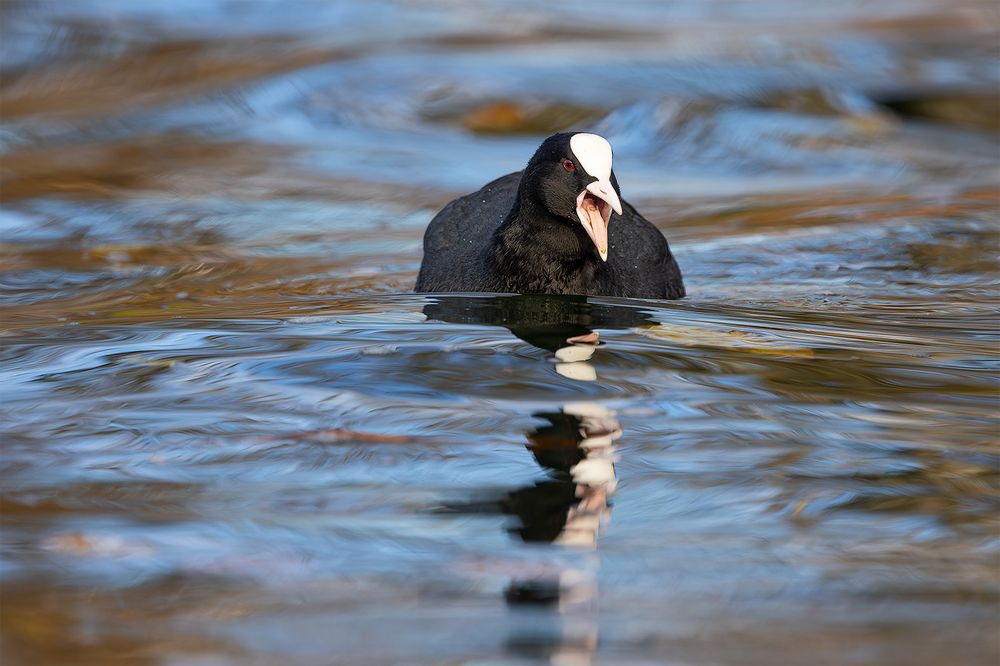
(231, 433)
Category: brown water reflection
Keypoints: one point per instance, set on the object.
(231, 435)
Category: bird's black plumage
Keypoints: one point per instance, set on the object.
(521, 234)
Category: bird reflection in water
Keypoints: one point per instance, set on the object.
(557, 610)
(564, 325)
(576, 446)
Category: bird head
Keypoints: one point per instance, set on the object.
(570, 175)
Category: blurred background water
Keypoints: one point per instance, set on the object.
(232, 435)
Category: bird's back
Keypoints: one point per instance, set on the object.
(457, 238)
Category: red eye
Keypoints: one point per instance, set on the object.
(568, 165)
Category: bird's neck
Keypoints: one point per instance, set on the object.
(534, 251)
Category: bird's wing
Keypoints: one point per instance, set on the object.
(456, 237)
(471, 217)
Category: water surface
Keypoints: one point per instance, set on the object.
(232, 434)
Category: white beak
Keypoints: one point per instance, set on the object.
(593, 207)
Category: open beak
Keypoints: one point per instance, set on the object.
(593, 207)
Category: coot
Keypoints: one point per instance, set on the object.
(558, 227)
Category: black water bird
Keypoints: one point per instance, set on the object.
(558, 227)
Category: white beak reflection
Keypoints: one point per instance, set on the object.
(572, 359)
(594, 476)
